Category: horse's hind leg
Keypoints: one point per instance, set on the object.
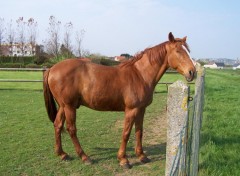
(58, 126)
(71, 128)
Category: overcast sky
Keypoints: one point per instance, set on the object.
(129, 26)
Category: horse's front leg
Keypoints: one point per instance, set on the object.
(130, 115)
(139, 134)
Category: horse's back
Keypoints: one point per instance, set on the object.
(75, 82)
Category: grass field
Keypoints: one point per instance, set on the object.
(27, 135)
(21, 75)
(220, 136)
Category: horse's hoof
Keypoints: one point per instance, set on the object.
(145, 160)
(126, 166)
(88, 161)
(65, 157)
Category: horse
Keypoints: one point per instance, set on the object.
(126, 87)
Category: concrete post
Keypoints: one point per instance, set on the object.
(177, 117)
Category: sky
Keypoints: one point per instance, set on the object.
(113, 27)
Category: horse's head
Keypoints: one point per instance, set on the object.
(179, 57)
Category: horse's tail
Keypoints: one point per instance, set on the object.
(48, 98)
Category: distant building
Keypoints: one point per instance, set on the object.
(214, 65)
(236, 66)
(16, 50)
(120, 58)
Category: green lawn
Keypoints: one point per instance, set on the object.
(21, 75)
(220, 136)
(27, 135)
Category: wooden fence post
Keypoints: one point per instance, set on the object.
(177, 117)
(197, 120)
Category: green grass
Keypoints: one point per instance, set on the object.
(27, 135)
(220, 136)
(21, 75)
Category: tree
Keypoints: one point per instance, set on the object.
(41, 57)
(67, 47)
(53, 43)
(126, 55)
(79, 39)
(65, 52)
(21, 26)
(2, 31)
(32, 31)
(10, 36)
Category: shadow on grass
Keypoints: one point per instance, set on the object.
(154, 152)
(160, 91)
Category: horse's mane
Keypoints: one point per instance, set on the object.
(155, 54)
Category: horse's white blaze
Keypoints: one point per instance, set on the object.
(194, 63)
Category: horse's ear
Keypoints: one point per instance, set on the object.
(171, 37)
(184, 39)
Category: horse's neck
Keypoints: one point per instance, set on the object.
(151, 73)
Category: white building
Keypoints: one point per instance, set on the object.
(17, 50)
(236, 66)
(214, 65)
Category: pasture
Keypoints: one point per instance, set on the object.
(27, 135)
(220, 136)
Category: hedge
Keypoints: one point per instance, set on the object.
(22, 59)
(12, 65)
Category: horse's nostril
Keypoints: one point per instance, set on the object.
(191, 73)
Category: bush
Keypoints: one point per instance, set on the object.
(56, 59)
(107, 62)
(42, 58)
(12, 65)
(33, 66)
(21, 59)
(47, 64)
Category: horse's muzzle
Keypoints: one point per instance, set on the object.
(190, 75)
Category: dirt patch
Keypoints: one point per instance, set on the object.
(155, 130)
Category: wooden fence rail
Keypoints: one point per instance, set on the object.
(44, 69)
(22, 69)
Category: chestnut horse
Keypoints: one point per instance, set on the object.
(127, 87)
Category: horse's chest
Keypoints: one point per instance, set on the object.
(139, 98)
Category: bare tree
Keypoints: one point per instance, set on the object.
(53, 43)
(21, 27)
(67, 38)
(10, 36)
(79, 39)
(32, 32)
(2, 31)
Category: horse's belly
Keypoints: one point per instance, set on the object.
(101, 106)
(107, 103)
